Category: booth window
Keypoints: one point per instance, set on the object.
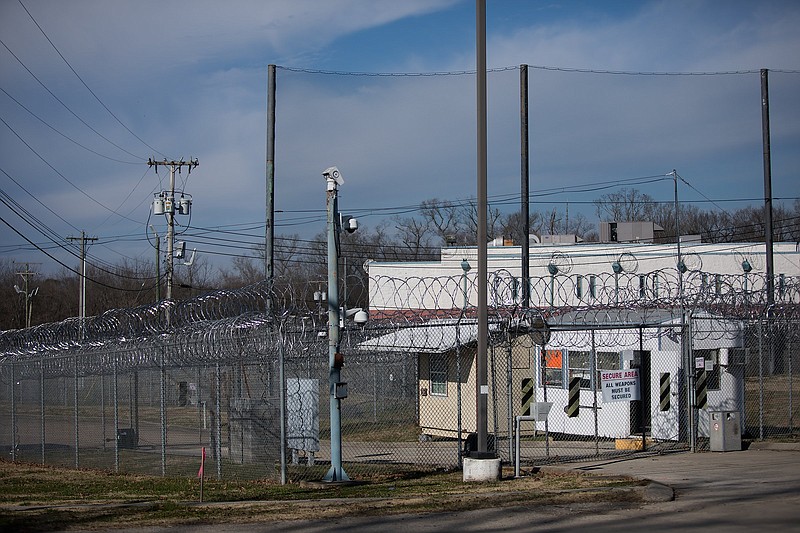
(607, 361)
(438, 374)
(553, 368)
(579, 363)
(579, 287)
(712, 377)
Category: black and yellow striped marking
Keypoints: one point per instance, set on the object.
(574, 397)
(664, 404)
(527, 396)
(701, 390)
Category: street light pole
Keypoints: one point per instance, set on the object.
(338, 390)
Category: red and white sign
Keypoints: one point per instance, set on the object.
(620, 385)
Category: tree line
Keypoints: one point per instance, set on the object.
(300, 265)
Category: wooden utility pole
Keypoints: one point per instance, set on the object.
(82, 290)
(169, 209)
(27, 273)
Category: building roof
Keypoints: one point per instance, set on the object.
(443, 335)
(436, 336)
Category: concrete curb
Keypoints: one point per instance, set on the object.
(657, 492)
(772, 445)
(653, 492)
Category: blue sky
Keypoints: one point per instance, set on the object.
(188, 79)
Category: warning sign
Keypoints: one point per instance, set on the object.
(620, 385)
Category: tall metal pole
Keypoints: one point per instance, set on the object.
(336, 472)
(269, 238)
(767, 185)
(685, 338)
(170, 230)
(524, 184)
(481, 384)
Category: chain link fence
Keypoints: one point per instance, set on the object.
(245, 375)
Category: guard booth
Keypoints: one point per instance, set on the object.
(654, 350)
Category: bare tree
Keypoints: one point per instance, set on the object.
(414, 236)
(625, 205)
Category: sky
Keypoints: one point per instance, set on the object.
(620, 94)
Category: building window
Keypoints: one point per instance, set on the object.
(655, 285)
(579, 367)
(607, 361)
(579, 287)
(438, 374)
(553, 369)
(642, 286)
(593, 287)
(781, 285)
(712, 376)
(717, 284)
(579, 363)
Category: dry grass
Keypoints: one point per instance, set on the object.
(40, 498)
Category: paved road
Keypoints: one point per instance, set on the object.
(753, 490)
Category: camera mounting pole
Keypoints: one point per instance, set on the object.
(338, 390)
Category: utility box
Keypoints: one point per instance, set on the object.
(127, 438)
(725, 431)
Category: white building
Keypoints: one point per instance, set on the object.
(567, 277)
(582, 274)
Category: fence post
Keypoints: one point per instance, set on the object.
(41, 404)
(13, 414)
(282, 399)
(75, 401)
(218, 422)
(103, 408)
(593, 370)
(791, 399)
(116, 415)
(760, 383)
(510, 394)
(163, 411)
(458, 393)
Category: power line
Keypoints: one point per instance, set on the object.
(62, 176)
(71, 269)
(65, 106)
(83, 82)
(65, 136)
(536, 67)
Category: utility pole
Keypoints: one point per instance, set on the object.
(28, 293)
(525, 185)
(338, 389)
(336, 472)
(82, 290)
(768, 236)
(269, 237)
(166, 200)
(158, 264)
(481, 382)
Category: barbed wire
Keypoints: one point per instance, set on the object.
(255, 322)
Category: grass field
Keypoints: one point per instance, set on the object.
(42, 498)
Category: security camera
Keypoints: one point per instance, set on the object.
(349, 224)
(358, 315)
(361, 317)
(332, 173)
